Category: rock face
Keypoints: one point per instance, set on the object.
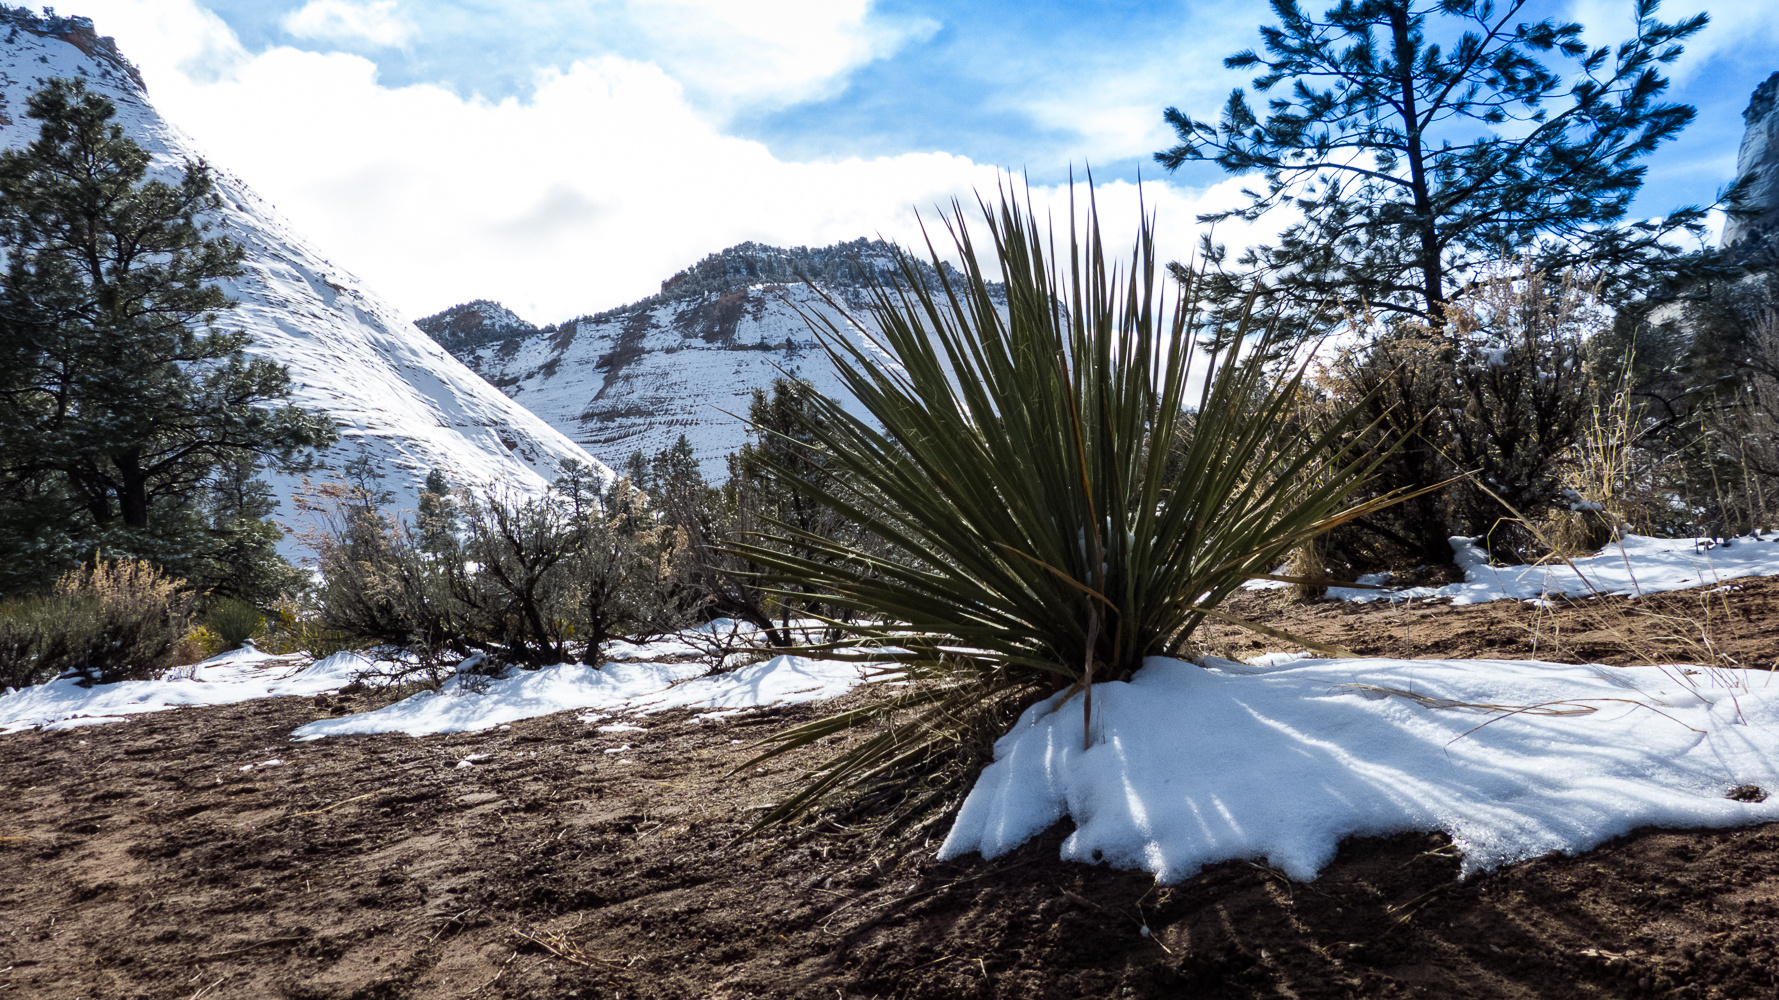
(400, 400)
(472, 324)
(686, 361)
(1757, 164)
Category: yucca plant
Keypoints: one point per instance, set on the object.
(1054, 503)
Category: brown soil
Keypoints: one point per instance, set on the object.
(140, 860)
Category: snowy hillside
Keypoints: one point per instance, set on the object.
(684, 361)
(399, 398)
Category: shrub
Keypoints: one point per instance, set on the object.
(233, 622)
(1048, 515)
(1500, 395)
(292, 625)
(528, 581)
(201, 643)
(107, 622)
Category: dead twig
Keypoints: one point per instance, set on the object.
(342, 802)
(1634, 703)
(497, 975)
(560, 946)
(1080, 900)
(255, 946)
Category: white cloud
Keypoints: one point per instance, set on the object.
(585, 195)
(1741, 25)
(376, 22)
(748, 52)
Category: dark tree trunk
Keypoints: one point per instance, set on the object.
(1432, 276)
(132, 490)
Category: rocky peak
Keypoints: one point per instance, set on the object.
(76, 31)
(474, 323)
(842, 269)
(1757, 172)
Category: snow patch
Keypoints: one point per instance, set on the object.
(1190, 765)
(616, 689)
(241, 675)
(1644, 565)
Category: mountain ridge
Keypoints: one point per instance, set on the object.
(688, 358)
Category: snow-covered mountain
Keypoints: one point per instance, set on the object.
(683, 361)
(400, 399)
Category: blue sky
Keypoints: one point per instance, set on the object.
(637, 135)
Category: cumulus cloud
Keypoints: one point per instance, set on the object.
(749, 52)
(376, 22)
(584, 195)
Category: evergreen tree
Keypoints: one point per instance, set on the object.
(241, 560)
(120, 396)
(1424, 139)
(579, 487)
(437, 518)
(677, 489)
(776, 477)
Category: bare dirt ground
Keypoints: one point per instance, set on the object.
(142, 860)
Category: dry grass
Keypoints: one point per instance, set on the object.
(110, 621)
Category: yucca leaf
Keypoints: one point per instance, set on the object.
(1046, 493)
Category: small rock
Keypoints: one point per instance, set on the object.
(1747, 793)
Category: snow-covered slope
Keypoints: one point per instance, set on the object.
(399, 398)
(686, 360)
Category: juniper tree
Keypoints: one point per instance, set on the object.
(579, 486)
(240, 556)
(1423, 139)
(120, 396)
(779, 477)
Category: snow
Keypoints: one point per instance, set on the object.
(399, 398)
(637, 382)
(242, 675)
(461, 705)
(1643, 565)
(721, 635)
(1194, 765)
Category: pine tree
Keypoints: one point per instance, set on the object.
(579, 487)
(241, 558)
(120, 395)
(437, 519)
(776, 478)
(1417, 164)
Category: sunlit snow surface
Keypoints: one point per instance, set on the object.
(242, 675)
(463, 705)
(1193, 765)
(1640, 565)
(638, 686)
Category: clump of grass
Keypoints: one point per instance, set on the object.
(1049, 503)
(234, 622)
